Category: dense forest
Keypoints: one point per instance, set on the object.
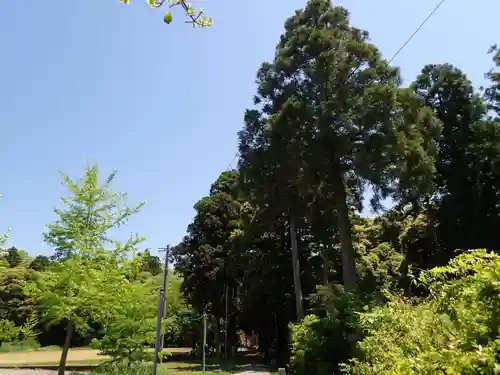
(278, 252)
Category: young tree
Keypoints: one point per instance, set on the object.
(89, 278)
(131, 329)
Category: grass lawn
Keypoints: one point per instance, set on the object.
(89, 357)
(77, 356)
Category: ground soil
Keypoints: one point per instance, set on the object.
(41, 357)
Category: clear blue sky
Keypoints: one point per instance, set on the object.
(98, 81)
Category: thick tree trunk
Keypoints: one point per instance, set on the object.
(65, 350)
(344, 224)
(296, 269)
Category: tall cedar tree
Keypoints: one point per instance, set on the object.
(332, 107)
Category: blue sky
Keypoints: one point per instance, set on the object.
(98, 81)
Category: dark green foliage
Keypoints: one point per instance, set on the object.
(40, 263)
(150, 263)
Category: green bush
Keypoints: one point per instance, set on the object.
(29, 344)
(453, 331)
(130, 332)
(324, 340)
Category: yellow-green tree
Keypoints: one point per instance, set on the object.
(93, 270)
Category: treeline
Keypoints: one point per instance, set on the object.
(282, 236)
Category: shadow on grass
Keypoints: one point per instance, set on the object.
(241, 362)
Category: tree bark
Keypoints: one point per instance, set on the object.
(217, 337)
(344, 224)
(325, 265)
(65, 350)
(296, 269)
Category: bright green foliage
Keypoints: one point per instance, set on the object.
(378, 268)
(77, 289)
(17, 313)
(9, 332)
(179, 316)
(454, 331)
(131, 329)
(88, 276)
(195, 17)
(91, 211)
(14, 304)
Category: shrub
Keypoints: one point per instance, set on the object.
(131, 331)
(453, 331)
(324, 340)
(29, 344)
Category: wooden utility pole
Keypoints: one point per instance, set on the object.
(203, 353)
(158, 332)
(226, 289)
(164, 288)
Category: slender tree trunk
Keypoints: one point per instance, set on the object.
(217, 337)
(296, 268)
(325, 266)
(403, 274)
(65, 350)
(344, 224)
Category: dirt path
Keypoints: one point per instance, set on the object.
(27, 372)
(52, 356)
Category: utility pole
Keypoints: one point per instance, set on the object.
(164, 288)
(204, 341)
(158, 332)
(225, 322)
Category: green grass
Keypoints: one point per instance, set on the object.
(146, 369)
(19, 346)
(82, 362)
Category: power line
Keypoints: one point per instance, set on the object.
(230, 166)
(417, 30)
(403, 46)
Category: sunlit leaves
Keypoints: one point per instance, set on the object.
(131, 328)
(455, 331)
(92, 268)
(195, 17)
